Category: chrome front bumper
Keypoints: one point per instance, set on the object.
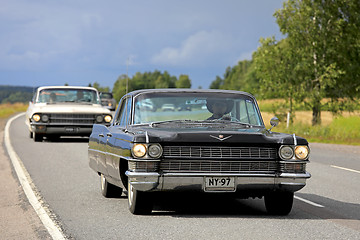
(61, 130)
(196, 182)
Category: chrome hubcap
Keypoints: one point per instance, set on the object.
(131, 194)
(102, 179)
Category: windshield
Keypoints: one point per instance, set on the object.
(106, 95)
(157, 107)
(67, 95)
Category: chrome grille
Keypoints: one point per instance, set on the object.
(143, 166)
(219, 152)
(293, 167)
(219, 166)
(71, 118)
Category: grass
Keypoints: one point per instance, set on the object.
(343, 130)
(7, 109)
(334, 129)
(338, 129)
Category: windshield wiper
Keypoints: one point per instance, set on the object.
(202, 122)
(227, 122)
(152, 124)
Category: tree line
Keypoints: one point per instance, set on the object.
(318, 58)
(12, 94)
(146, 80)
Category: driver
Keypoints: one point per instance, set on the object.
(219, 108)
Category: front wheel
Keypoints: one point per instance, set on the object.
(140, 203)
(37, 137)
(109, 190)
(279, 203)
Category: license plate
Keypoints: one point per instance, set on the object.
(220, 184)
(69, 129)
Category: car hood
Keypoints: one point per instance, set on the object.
(68, 108)
(192, 136)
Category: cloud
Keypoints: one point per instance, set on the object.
(199, 49)
(38, 35)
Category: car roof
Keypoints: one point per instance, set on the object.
(188, 90)
(66, 87)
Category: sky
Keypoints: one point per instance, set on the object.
(49, 42)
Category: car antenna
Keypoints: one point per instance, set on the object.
(127, 89)
(127, 75)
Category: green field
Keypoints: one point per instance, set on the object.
(342, 130)
(6, 110)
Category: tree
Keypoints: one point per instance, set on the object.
(99, 88)
(240, 77)
(148, 80)
(274, 65)
(120, 86)
(321, 52)
(183, 82)
(217, 83)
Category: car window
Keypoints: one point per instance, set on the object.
(106, 95)
(153, 107)
(67, 95)
(124, 112)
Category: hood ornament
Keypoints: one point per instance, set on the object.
(221, 137)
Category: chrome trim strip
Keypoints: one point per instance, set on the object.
(141, 174)
(147, 137)
(295, 175)
(295, 141)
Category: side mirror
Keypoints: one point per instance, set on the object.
(274, 122)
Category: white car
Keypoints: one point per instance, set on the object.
(168, 107)
(65, 110)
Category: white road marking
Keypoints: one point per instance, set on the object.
(308, 202)
(347, 169)
(25, 181)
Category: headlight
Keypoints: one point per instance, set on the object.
(36, 117)
(155, 150)
(44, 118)
(301, 152)
(107, 118)
(139, 150)
(286, 152)
(99, 118)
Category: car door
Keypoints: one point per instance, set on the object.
(118, 144)
(102, 142)
(96, 149)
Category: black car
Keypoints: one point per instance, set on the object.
(221, 146)
(108, 101)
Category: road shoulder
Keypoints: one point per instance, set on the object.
(18, 218)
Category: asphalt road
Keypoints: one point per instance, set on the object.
(327, 208)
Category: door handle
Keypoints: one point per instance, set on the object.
(101, 135)
(109, 134)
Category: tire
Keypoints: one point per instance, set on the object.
(140, 203)
(37, 137)
(279, 203)
(53, 137)
(109, 190)
(30, 134)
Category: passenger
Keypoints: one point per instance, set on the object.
(52, 97)
(219, 108)
(80, 95)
